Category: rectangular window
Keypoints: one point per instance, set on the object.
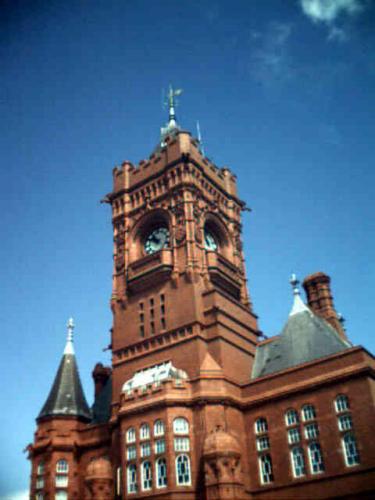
(263, 443)
(163, 324)
(131, 452)
(311, 431)
(162, 309)
(39, 482)
(152, 327)
(316, 458)
(141, 306)
(141, 318)
(350, 449)
(298, 462)
(293, 436)
(131, 477)
(181, 444)
(145, 449)
(142, 330)
(151, 302)
(159, 446)
(152, 313)
(265, 469)
(345, 422)
(162, 298)
(61, 480)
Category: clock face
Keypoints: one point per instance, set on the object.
(209, 241)
(156, 240)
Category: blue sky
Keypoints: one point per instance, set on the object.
(284, 92)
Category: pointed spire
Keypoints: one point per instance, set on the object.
(172, 124)
(69, 348)
(298, 305)
(66, 397)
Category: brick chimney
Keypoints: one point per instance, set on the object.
(320, 300)
(100, 375)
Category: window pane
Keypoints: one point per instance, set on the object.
(181, 444)
(145, 449)
(130, 435)
(160, 446)
(308, 412)
(62, 466)
(341, 403)
(350, 449)
(159, 428)
(345, 422)
(298, 462)
(132, 478)
(161, 473)
(263, 443)
(183, 470)
(146, 476)
(311, 431)
(293, 436)
(265, 469)
(180, 426)
(62, 480)
(61, 495)
(316, 458)
(144, 432)
(261, 425)
(291, 417)
(131, 452)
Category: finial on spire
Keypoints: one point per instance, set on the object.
(298, 305)
(171, 102)
(69, 349)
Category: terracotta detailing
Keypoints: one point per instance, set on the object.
(99, 479)
(320, 300)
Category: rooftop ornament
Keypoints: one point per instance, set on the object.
(172, 125)
(69, 349)
(298, 305)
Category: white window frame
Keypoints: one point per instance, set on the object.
(311, 431)
(159, 446)
(161, 480)
(265, 462)
(159, 428)
(308, 412)
(61, 495)
(291, 417)
(41, 468)
(61, 480)
(342, 403)
(350, 450)
(131, 479)
(263, 443)
(146, 449)
(294, 435)
(345, 422)
(144, 432)
(297, 459)
(180, 425)
(260, 425)
(131, 435)
(146, 475)
(39, 482)
(181, 444)
(185, 481)
(62, 466)
(131, 452)
(316, 466)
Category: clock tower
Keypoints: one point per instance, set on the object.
(179, 284)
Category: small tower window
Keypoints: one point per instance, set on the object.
(183, 470)
(291, 417)
(62, 466)
(298, 462)
(131, 478)
(146, 472)
(308, 413)
(261, 426)
(316, 458)
(341, 403)
(180, 426)
(161, 473)
(350, 450)
(265, 469)
(130, 435)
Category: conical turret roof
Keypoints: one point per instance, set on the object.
(66, 397)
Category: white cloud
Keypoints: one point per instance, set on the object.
(17, 495)
(270, 58)
(328, 10)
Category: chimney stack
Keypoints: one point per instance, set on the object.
(100, 375)
(320, 300)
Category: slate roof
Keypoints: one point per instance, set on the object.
(66, 397)
(305, 337)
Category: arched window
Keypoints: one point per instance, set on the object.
(180, 426)
(291, 417)
(261, 425)
(159, 428)
(144, 431)
(341, 403)
(350, 450)
(62, 466)
(161, 473)
(183, 470)
(265, 469)
(308, 412)
(298, 462)
(130, 435)
(131, 478)
(146, 473)
(61, 495)
(316, 458)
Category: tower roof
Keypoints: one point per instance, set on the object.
(66, 397)
(305, 337)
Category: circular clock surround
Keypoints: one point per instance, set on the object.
(156, 240)
(210, 240)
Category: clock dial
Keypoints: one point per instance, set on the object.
(156, 240)
(209, 241)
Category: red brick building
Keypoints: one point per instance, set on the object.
(197, 404)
